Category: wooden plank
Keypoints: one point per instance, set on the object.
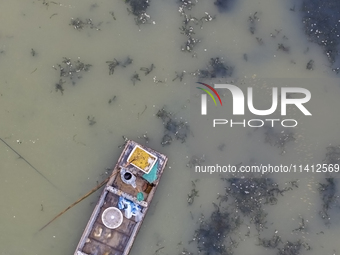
(95, 247)
(125, 195)
(81, 253)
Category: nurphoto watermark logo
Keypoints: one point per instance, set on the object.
(238, 105)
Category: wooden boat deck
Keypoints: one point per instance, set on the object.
(97, 239)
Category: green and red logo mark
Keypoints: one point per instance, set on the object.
(208, 92)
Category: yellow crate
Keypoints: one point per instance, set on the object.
(142, 159)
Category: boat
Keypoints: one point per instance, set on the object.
(123, 203)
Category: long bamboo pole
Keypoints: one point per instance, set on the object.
(86, 195)
(81, 199)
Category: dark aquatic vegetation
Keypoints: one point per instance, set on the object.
(164, 115)
(283, 48)
(47, 3)
(278, 139)
(332, 155)
(252, 19)
(166, 140)
(91, 120)
(192, 194)
(112, 99)
(221, 147)
(134, 78)
(270, 243)
(79, 24)
(310, 65)
(173, 128)
(224, 5)
(188, 19)
(33, 52)
(93, 6)
(328, 195)
(127, 62)
(185, 252)
(138, 9)
(113, 15)
(179, 76)
(216, 69)
(247, 197)
(196, 161)
(140, 114)
(190, 44)
(302, 226)
(186, 4)
(276, 33)
(291, 248)
(259, 40)
(321, 21)
(328, 190)
(189, 24)
(147, 70)
(212, 236)
(219, 70)
(251, 193)
(203, 74)
(112, 65)
(59, 86)
(187, 30)
(72, 69)
(125, 141)
(207, 17)
(179, 128)
(138, 6)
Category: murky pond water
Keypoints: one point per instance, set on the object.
(76, 76)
